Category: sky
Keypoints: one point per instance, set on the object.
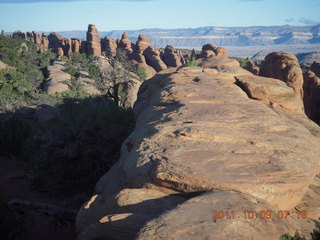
(107, 15)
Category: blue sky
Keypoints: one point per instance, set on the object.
(59, 15)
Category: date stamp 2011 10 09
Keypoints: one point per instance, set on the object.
(267, 214)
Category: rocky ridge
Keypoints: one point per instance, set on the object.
(210, 138)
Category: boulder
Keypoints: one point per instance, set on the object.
(283, 66)
(171, 57)
(221, 52)
(93, 41)
(201, 137)
(210, 50)
(271, 92)
(311, 98)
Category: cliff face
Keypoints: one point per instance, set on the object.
(210, 138)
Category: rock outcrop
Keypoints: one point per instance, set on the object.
(125, 44)
(208, 141)
(311, 98)
(41, 41)
(93, 41)
(286, 67)
(251, 67)
(315, 67)
(142, 44)
(172, 57)
(60, 45)
(57, 78)
(210, 50)
(109, 46)
(153, 59)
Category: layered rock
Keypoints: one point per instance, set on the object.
(203, 143)
(75, 45)
(109, 46)
(93, 41)
(283, 66)
(172, 57)
(153, 58)
(142, 44)
(311, 96)
(41, 41)
(125, 44)
(60, 45)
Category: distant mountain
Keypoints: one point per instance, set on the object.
(222, 36)
(308, 57)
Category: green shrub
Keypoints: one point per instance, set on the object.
(15, 90)
(141, 72)
(191, 62)
(287, 236)
(80, 145)
(243, 62)
(23, 55)
(17, 137)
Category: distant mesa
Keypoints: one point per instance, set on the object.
(308, 58)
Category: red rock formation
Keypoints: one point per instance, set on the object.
(171, 57)
(125, 44)
(311, 98)
(109, 46)
(76, 45)
(143, 43)
(210, 50)
(283, 66)
(93, 41)
(153, 59)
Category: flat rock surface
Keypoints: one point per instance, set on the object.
(200, 132)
